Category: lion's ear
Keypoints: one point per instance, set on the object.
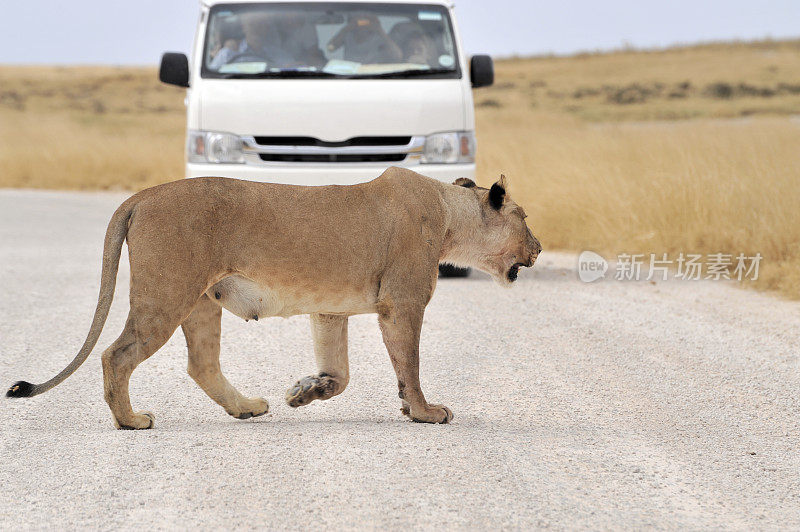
(498, 193)
(464, 182)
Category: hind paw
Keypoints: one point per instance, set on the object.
(431, 414)
(310, 388)
(140, 421)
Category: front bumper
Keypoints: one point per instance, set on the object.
(323, 174)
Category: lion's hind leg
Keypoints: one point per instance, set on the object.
(151, 321)
(119, 361)
(202, 331)
(330, 347)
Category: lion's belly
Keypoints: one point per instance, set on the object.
(250, 300)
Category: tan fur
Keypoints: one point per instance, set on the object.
(262, 250)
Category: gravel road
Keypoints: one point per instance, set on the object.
(586, 406)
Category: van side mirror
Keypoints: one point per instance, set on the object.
(481, 71)
(174, 69)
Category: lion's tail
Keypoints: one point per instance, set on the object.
(112, 248)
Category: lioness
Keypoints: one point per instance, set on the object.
(257, 249)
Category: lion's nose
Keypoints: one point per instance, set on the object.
(535, 249)
(533, 246)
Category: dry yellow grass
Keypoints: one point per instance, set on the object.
(597, 156)
(89, 128)
(690, 150)
(718, 81)
(693, 187)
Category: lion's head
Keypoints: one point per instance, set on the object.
(503, 243)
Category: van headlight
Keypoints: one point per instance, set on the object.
(214, 147)
(454, 147)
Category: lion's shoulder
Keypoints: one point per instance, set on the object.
(400, 182)
(405, 176)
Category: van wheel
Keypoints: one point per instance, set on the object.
(448, 270)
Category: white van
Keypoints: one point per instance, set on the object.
(315, 93)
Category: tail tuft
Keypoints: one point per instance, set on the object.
(20, 389)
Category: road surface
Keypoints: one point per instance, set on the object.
(589, 406)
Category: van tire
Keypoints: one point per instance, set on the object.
(448, 270)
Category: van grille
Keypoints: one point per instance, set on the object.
(332, 158)
(388, 149)
(311, 141)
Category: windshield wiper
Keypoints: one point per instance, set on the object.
(417, 72)
(288, 74)
(283, 74)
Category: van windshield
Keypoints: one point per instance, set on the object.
(329, 40)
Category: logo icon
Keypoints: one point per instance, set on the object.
(591, 266)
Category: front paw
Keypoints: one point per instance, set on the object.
(251, 408)
(431, 414)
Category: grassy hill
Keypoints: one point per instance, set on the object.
(691, 149)
(721, 80)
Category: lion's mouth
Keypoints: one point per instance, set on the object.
(514, 271)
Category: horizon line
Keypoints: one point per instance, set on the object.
(621, 49)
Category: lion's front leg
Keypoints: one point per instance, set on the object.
(401, 327)
(330, 348)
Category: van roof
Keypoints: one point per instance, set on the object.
(447, 3)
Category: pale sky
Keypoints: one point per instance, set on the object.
(137, 32)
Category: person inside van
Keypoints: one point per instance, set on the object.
(365, 41)
(227, 39)
(413, 42)
(415, 50)
(261, 42)
(299, 39)
(262, 39)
